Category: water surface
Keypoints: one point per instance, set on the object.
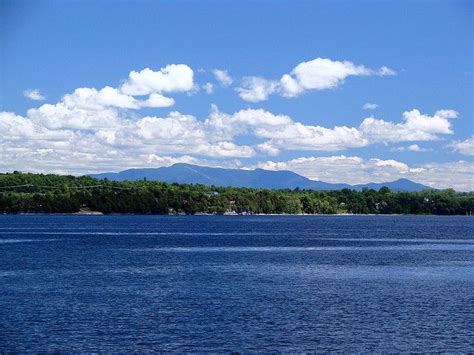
(230, 283)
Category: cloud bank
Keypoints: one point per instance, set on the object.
(357, 170)
(93, 130)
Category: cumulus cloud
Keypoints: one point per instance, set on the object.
(93, 99)
(298, 136)
(34, 94)
(256, 89)
(370, 106)
(90, 108)
(62, 116)
(356, 170)
(414, 127)
(465, 147)
(416, 148)
(402, 167)
(323, 73)
(156, 100)
(172, 78)
(317, 74)
(282, 132)
(222, 77)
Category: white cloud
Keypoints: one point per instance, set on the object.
(61, 116)
(282, 133)
(399, 166)
(268, 148)
(172, 78)
(222, 77)
(157, 100)
(260, 118)
(370, 106)
(226, 150)
(416, 148)
(410, 148)
(256, 89)
(414, 127)
(208, 88)
(356, 170)
(384, 71)
(323, 73)
(13, 126)
(317, 74)
(458, 175)
(93, 129)
(335, 169)
(92, 99)
(297, 136)
(174, 129)
(81, 144)
(243, 122)
(92, 109)
(465, 147)
(34, 94)
(289, 86)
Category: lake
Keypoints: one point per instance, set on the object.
(236, 283)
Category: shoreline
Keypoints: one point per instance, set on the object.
(97, 213)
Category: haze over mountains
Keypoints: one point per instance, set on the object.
(258, 178)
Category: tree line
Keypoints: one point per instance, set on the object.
(38, 193)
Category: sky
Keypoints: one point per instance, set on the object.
(338, 91)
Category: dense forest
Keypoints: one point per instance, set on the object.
(38, 193)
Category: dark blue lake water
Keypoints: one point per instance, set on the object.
(228, 283)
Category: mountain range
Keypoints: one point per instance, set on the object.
(259, 178)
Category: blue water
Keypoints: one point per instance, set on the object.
(228, 283)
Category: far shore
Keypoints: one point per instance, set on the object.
(98, 213)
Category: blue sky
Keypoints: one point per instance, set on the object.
(412, 57)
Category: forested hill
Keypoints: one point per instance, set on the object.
(37, 193)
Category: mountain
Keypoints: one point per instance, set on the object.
(258, 178)
(397, 185)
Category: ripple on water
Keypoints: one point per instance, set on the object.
(217, 284)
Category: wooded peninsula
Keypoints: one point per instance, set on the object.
(38, 193)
